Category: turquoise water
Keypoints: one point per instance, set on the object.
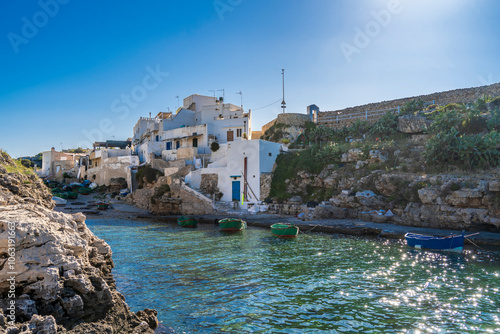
(202, 281)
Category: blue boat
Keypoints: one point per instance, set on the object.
(450, 243)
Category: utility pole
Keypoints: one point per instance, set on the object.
(283, 103)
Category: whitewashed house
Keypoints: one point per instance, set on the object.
(189, 133)
(237, 167)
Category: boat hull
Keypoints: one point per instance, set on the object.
(420, 241)
(187, 222)
(232, 225)
(102, 206)
(284, 230)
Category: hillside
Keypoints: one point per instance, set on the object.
(436, 164)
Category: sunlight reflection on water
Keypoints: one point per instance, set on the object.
(201, 281)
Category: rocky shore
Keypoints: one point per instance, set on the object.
(55, 274)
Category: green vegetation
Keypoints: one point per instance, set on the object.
(146, 174)
(412, 107)
(276, 132)
(14, 166)
(463, 137)
(214, 146)
(159, 192)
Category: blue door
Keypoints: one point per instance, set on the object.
(236, 191)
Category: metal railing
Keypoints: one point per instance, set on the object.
(363, 115)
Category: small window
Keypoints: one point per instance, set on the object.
(169, 145)
(177, 144)
(239, 132)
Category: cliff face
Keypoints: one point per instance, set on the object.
(55, 274)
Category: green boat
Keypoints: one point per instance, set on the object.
(284, 230)
(187, 222)
(232, 225)
(72, 195)
(102, 206)
(84, 191)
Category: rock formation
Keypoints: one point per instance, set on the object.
(55, 274)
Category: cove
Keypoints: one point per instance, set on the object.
(203, 281)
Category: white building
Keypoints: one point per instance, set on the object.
(199, 122)
(238, 167)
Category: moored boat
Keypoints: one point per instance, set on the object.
(232, 225)
(452, 242)
(102, 206)
(187, 222)
(281, 230)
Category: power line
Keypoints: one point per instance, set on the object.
(267, 105)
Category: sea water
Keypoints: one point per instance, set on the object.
(204, 281)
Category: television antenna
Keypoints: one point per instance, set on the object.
(240, 93)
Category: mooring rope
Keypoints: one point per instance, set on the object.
(474, 243)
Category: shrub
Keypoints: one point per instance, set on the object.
(465, 151)
(146, 174)
(214, 147)
(386, 126)
(412, 107)
(159, 192)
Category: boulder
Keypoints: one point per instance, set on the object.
(428, 195)
(352, 155)
(494, 186)
(412, 124)
(378, 156)
(465, 198)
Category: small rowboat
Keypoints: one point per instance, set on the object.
(84, 191)
(187, 222)
(102, 206)
(452, 242)
(232, 225)
(284, 230)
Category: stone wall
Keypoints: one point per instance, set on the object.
(265, 185)
(209, 183)
(293, 119)
(466, 95)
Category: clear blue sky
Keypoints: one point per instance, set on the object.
(66, 67)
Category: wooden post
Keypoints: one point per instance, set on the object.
(245, 183)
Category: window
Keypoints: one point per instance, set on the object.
(177, 144)
(157, 138)
(169, 145)
(195, 142)
(239, 132)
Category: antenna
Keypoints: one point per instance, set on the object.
(223, 94)
(241, 96)
(177, 97)
(283, 103)
(212, 90)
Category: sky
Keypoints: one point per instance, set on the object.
(74, 72)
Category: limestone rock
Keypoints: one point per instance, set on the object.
(378, 156)
(494, 186)
(428, 195)
(352, 155)
(63, 275)
(412, 124)
(465, 198)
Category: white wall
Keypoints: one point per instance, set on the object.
(258, 161)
